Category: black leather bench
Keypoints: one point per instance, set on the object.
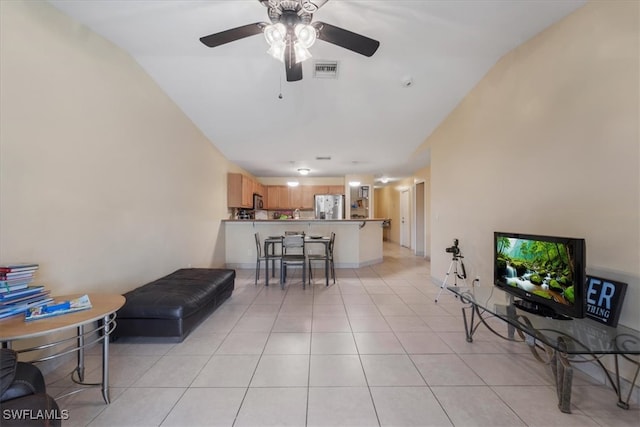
(174, 305)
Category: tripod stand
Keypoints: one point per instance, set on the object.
(457, 259)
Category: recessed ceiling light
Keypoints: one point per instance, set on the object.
(304, 171)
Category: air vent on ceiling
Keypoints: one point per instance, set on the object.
(325, 70)
(323, 157)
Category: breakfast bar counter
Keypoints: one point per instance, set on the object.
(358, 241)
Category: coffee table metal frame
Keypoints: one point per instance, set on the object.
(92, 326)
(552, 341)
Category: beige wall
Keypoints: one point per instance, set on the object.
(548, 143)
(103, 180)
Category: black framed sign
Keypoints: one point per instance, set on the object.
(604, 299)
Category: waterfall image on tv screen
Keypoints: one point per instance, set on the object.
(542, 268)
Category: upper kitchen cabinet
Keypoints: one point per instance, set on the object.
(277, 197)
(295, 197)
(240, 189)
(308, 191)
(302, 197)
(324, 189)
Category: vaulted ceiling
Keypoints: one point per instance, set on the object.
(370, 120)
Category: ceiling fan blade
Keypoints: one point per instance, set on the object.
(293, 69)
(346, 39)
(217, 39)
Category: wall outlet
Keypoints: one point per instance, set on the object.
(188, 265)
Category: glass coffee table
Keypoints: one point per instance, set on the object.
(552, 341)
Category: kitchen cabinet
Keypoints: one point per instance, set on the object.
(301, 197)
(335, 189)
(295, 197)
(240, 189)
(308, 191)
(247, 192)
(318, 189)
(277, 197)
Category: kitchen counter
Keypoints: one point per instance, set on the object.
(358, 241)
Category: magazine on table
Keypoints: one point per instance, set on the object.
(59, 308)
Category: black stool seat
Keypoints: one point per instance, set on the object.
(174, 305)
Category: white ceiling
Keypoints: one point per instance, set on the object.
(367, 121)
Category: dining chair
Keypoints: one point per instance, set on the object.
(261, 257)
(293, 253)
(324, 256)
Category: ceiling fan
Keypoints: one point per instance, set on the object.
(291, 33)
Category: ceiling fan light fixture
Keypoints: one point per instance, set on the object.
(293, 31)
(277, 51)
(275, 33)
(306, 34)
(301, 52)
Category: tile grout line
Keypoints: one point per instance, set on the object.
(235, 418)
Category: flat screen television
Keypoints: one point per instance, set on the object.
(546, 273)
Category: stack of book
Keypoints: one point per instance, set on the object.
(17, 292)
(16, 276)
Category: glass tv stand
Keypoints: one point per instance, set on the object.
(551, 341)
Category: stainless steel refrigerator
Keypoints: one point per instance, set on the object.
(329, 206)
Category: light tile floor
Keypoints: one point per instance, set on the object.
(372, 350)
